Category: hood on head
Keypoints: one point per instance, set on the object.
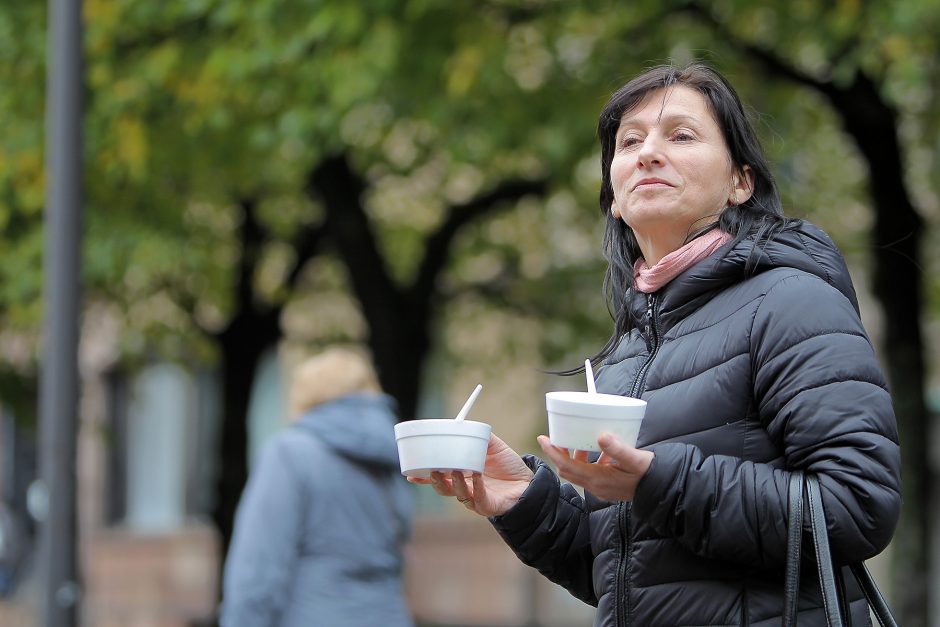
(358, 426)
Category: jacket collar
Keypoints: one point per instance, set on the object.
(802, 246)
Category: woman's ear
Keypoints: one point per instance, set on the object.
(614, 210)
(742, 185)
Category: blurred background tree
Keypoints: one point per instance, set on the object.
(401, 168)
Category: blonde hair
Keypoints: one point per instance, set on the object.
(334, 373)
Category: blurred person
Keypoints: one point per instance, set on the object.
(740, 328)
(321, 525)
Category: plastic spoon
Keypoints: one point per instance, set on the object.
(589, 373)
(470, 401)
(592, 389)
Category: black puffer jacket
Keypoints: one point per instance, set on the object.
(746, 376)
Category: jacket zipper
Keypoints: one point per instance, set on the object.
(623, 517)
(653, 333)
(621, 592)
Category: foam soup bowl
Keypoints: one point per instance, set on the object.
(576, 419)
(441, 444)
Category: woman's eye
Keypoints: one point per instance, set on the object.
(630, 141)
(683, 136)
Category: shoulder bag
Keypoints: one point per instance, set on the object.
(833, 592)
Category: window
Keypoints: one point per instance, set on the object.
(164, 421)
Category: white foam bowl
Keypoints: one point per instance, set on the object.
(441, 444)
(576, 419)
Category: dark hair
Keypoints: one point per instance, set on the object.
(760, 216)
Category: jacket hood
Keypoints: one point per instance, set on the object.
(802, 246)
(357, 426)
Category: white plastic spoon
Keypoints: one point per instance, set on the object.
(470, 401)
(589, 373)
(592, 389)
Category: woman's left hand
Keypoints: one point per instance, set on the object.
(615, 474)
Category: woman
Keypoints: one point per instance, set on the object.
(321, 525)
(740, 328)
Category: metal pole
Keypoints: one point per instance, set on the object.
(58, 393)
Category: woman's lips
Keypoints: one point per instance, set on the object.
(651, 183)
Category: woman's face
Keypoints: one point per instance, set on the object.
(671, 168)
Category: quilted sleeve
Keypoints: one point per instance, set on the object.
(820, 392)
(548, 529)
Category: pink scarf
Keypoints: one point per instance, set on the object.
(648, 280)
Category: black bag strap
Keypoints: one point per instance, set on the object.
(829, 584)
(791, 592)
(827, 576)
(875, 599)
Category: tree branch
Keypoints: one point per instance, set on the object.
(438, 244)
(773, 63)
(250, 236)
(307, 245)
(193, 26)
(350, 230)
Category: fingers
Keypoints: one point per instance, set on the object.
(613, 451)
(479, 487)
(559, 455)
(462, 490)
(581, 456)
(628, 458)
(611, 446)
(441, 484)
(577, 470)
(566, 464)
(545, 443)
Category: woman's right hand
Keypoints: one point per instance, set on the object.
(505, 477)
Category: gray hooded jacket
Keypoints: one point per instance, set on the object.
(321, 524)
(747, 376)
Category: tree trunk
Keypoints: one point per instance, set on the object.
(400, 355)
(897, 283)
(253, 328)
(398, 326)
(400, 319)
(242, 345)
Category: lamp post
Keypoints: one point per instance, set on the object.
(58, 385)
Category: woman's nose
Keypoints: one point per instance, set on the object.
(650, 153)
